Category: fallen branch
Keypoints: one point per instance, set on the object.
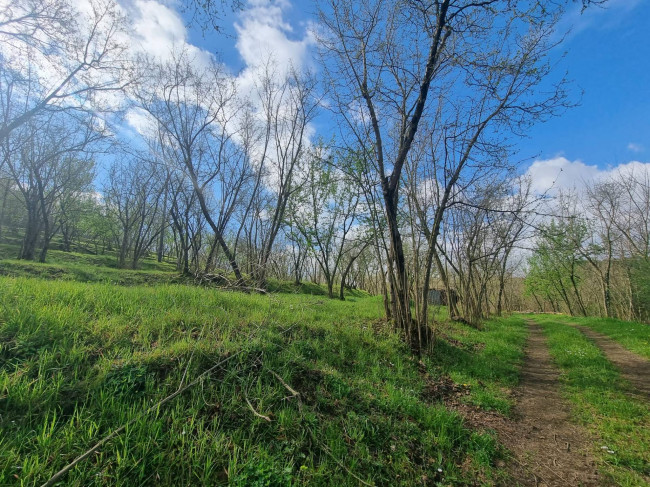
(55, 478)
(324, 447)
(293, 392)
(255, 412)
(338, 462)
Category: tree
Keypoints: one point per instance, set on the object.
(326, 213)
(58, 59)
(467, 69)
(133, 198)
(556, 264)
(192, 108)
(287, 106)
(49, 160)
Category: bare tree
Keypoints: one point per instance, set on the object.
(132, 196)
(192, 107)
(49, 159)
(287, 105)
(55, 58)
(397, 64)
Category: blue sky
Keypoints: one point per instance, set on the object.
(606, 54)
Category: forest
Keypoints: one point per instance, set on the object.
(375, 194)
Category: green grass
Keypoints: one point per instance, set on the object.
(106, 260)
(77, 360)
(598, 400)
(73, 266)
(632, 335)
(84, 273)
(102, 268)
(486, 360)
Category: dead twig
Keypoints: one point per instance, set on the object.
(255, 412)
(119, 430)
(322, 446)
(338, 462)
(293, 392)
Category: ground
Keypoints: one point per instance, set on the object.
(300, 389)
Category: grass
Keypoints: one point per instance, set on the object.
(102, 268)
(72, 266)
(598, 400)
(632, 335)
(106, 260)
(84, 273)
(86, 347)
(486, 360)
(79, 359)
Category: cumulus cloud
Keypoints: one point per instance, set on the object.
(552, 175)
(158, 30)
(262, 31)
(263, 36)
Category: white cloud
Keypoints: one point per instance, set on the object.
(552, 175)
(635, 147)
(262, 35)
(262, 31)
(602, 17)
(158, 30)
(141, 121)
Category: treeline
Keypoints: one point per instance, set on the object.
(594, 257)
(408, 183)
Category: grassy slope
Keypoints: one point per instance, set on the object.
(79, 359)
(486, 360)
(633, 336)
(72, 266)
(598, 400)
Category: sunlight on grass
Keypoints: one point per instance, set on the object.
(633, 336)
(80, 359)
(597, 394)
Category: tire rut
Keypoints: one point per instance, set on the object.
(548, 450)
(634, 368)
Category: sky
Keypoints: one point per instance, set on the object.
(606, 54)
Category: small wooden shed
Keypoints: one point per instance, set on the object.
(439, 297)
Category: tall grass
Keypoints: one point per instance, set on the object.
(77, 360)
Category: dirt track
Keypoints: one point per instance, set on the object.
(631, 366)
(548, 449)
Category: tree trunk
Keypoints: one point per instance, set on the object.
(213, 226)
(163, 226)
(28, 250)
(5, 195)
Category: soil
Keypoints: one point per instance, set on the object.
(634, 368)
(547, 449)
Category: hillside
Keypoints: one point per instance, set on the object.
(287, 388)
(81, 359)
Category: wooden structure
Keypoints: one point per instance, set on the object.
(439, 297)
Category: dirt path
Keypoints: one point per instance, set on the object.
(548, 450)
(633, 367)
